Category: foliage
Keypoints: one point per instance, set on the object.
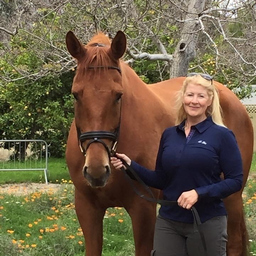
(36, 71)
(225, 75)
(34, 107)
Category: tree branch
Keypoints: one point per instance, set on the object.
(9, 32)
(148, 56)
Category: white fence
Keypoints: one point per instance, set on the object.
(24, 155)
(251, 110)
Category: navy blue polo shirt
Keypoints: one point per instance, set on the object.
(196, 163)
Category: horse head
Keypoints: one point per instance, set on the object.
(97, 90)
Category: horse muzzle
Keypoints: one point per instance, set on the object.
(97, 168)
(97, 177)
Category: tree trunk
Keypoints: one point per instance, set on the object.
(185, 50)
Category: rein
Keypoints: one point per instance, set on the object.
(132, 175)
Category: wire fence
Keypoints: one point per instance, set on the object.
(24, 155)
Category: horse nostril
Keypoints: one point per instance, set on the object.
(97, 178)
(85, 171)
(108, 169)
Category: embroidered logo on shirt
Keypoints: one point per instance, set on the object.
(202, 142)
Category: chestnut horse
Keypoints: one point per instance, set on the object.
(115, 108)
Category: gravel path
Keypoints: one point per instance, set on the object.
(28, 188)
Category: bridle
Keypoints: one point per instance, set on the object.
(99, 136)
(108, 67)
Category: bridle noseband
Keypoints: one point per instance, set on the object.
(98, 136)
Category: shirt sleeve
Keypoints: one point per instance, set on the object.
(230, 162)
(157, 178)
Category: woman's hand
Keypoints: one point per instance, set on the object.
(188, 199)
(117, 163)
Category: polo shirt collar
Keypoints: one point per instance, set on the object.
(200, 127)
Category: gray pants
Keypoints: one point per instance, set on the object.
(180, 239)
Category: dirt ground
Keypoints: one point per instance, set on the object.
(28, 188)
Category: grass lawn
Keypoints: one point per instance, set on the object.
(57, 171)
(42, 224)
(45, 223)
(250, 206)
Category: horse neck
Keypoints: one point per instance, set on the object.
(131, 81)
(140, 97)
(141, 110)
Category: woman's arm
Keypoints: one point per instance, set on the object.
(231, 164)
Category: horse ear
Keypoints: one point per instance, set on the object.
(118, 45)
(75, 48)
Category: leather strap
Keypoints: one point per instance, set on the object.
(132, 175)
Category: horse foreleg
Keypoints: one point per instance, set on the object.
(91, 222)
(143, 216)
(237, 233)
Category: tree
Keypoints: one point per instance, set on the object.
(166, 38)
(35, 102)
(157, 30)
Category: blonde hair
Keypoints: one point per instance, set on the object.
(214, 110)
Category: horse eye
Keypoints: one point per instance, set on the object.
(75, 95)
(118, 96)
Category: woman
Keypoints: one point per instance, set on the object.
(191, 158)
